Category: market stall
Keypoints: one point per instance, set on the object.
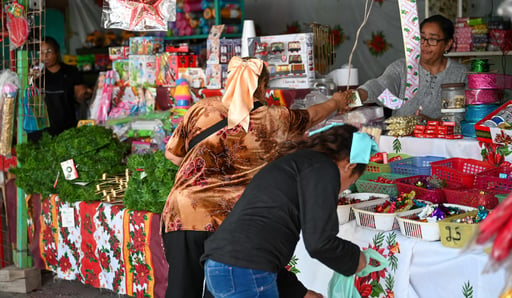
(420, 268)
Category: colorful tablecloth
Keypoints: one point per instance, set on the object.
(417, 268)
(103, 245)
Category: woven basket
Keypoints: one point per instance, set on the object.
(363, 184)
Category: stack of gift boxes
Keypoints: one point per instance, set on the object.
(437, 129)
(151, 61)
(482, 34)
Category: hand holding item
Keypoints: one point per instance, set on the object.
(342, 99)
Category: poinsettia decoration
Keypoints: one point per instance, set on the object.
(338, 35)
(378, 45)
(293, 27)
(494, 154)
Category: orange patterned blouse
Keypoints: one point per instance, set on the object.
(214, 174)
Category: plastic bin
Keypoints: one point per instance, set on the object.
(418, 165)
(459, 170)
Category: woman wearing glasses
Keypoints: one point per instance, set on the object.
(434, 69)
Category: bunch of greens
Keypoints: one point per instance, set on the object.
(94, 149)
(151, 180)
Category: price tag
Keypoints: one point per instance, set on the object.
(68, 217)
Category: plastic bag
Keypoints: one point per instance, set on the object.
(17, 25)
(9, 85)
(34, 110)
(341, 286)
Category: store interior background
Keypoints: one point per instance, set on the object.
(272, 17)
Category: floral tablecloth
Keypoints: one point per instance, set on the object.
(100, 244)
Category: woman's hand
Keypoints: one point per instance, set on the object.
(313, 294)
(362, 262)
(343, 99)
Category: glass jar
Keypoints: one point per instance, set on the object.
(453, 96)
(453, 115)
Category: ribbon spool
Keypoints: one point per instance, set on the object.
(475, 113)
(483, 96)
(480, 65)
(468, 129)
(483, 81)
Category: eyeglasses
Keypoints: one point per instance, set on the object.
(47, 51)
(431, 41)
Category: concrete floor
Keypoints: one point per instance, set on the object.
(59, 288)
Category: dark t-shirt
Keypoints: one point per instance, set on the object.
(293, 194)
(60, 97)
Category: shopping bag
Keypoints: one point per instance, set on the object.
(35, 115)
(341, 286)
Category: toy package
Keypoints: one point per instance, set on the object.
(142, 70)
(290, 59)
(146, 45)
(166, 69)
(214, 76)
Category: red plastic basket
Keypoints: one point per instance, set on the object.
(490, 179)
(406, 185)
(472, 197)
(459, 170)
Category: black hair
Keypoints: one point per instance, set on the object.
(52, 42)
(335, 142)
(445, 24)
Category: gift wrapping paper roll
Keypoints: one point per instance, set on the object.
(483, 96)
(475, 113)
(468, 129)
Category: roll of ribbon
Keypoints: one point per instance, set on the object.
(468, 129)
(480, 65)
(483, 81)
(483, 96)
(475, 113)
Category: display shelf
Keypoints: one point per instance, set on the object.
(478, 54)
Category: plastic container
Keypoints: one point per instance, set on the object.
(363, 184)
(407, 184)
(454, 115)
(367, 217)
(427, 231)
(375, 167)
(472, 197)
(498, 179)
(459, 170)
(345, 213)
(418, 165)
(453, 96)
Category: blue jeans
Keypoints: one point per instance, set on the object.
(229, 281)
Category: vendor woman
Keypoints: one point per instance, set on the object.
(434, 70)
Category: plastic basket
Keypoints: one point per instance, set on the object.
(345, 213)
(428, 231)
(367, 217)
(458, 170)
(490, 179)
(436, 196)
(419, 165)
(375, 167)
(472, 197)
(501, 197)
(454, 234)
(363, 184)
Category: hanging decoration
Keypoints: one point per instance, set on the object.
(378, 45)
(411, 37)
(138, 15)
(17, 25)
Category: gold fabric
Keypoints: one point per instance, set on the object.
(241, 83)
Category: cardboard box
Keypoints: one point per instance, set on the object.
(494, 134)
(290, 59)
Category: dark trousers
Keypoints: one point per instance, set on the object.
(183, 249)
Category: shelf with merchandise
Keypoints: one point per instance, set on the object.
(478, 54)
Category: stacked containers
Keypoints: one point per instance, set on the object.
(453, 104)
(483, 96)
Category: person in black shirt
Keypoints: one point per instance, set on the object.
(63, 89)
(296, 193)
